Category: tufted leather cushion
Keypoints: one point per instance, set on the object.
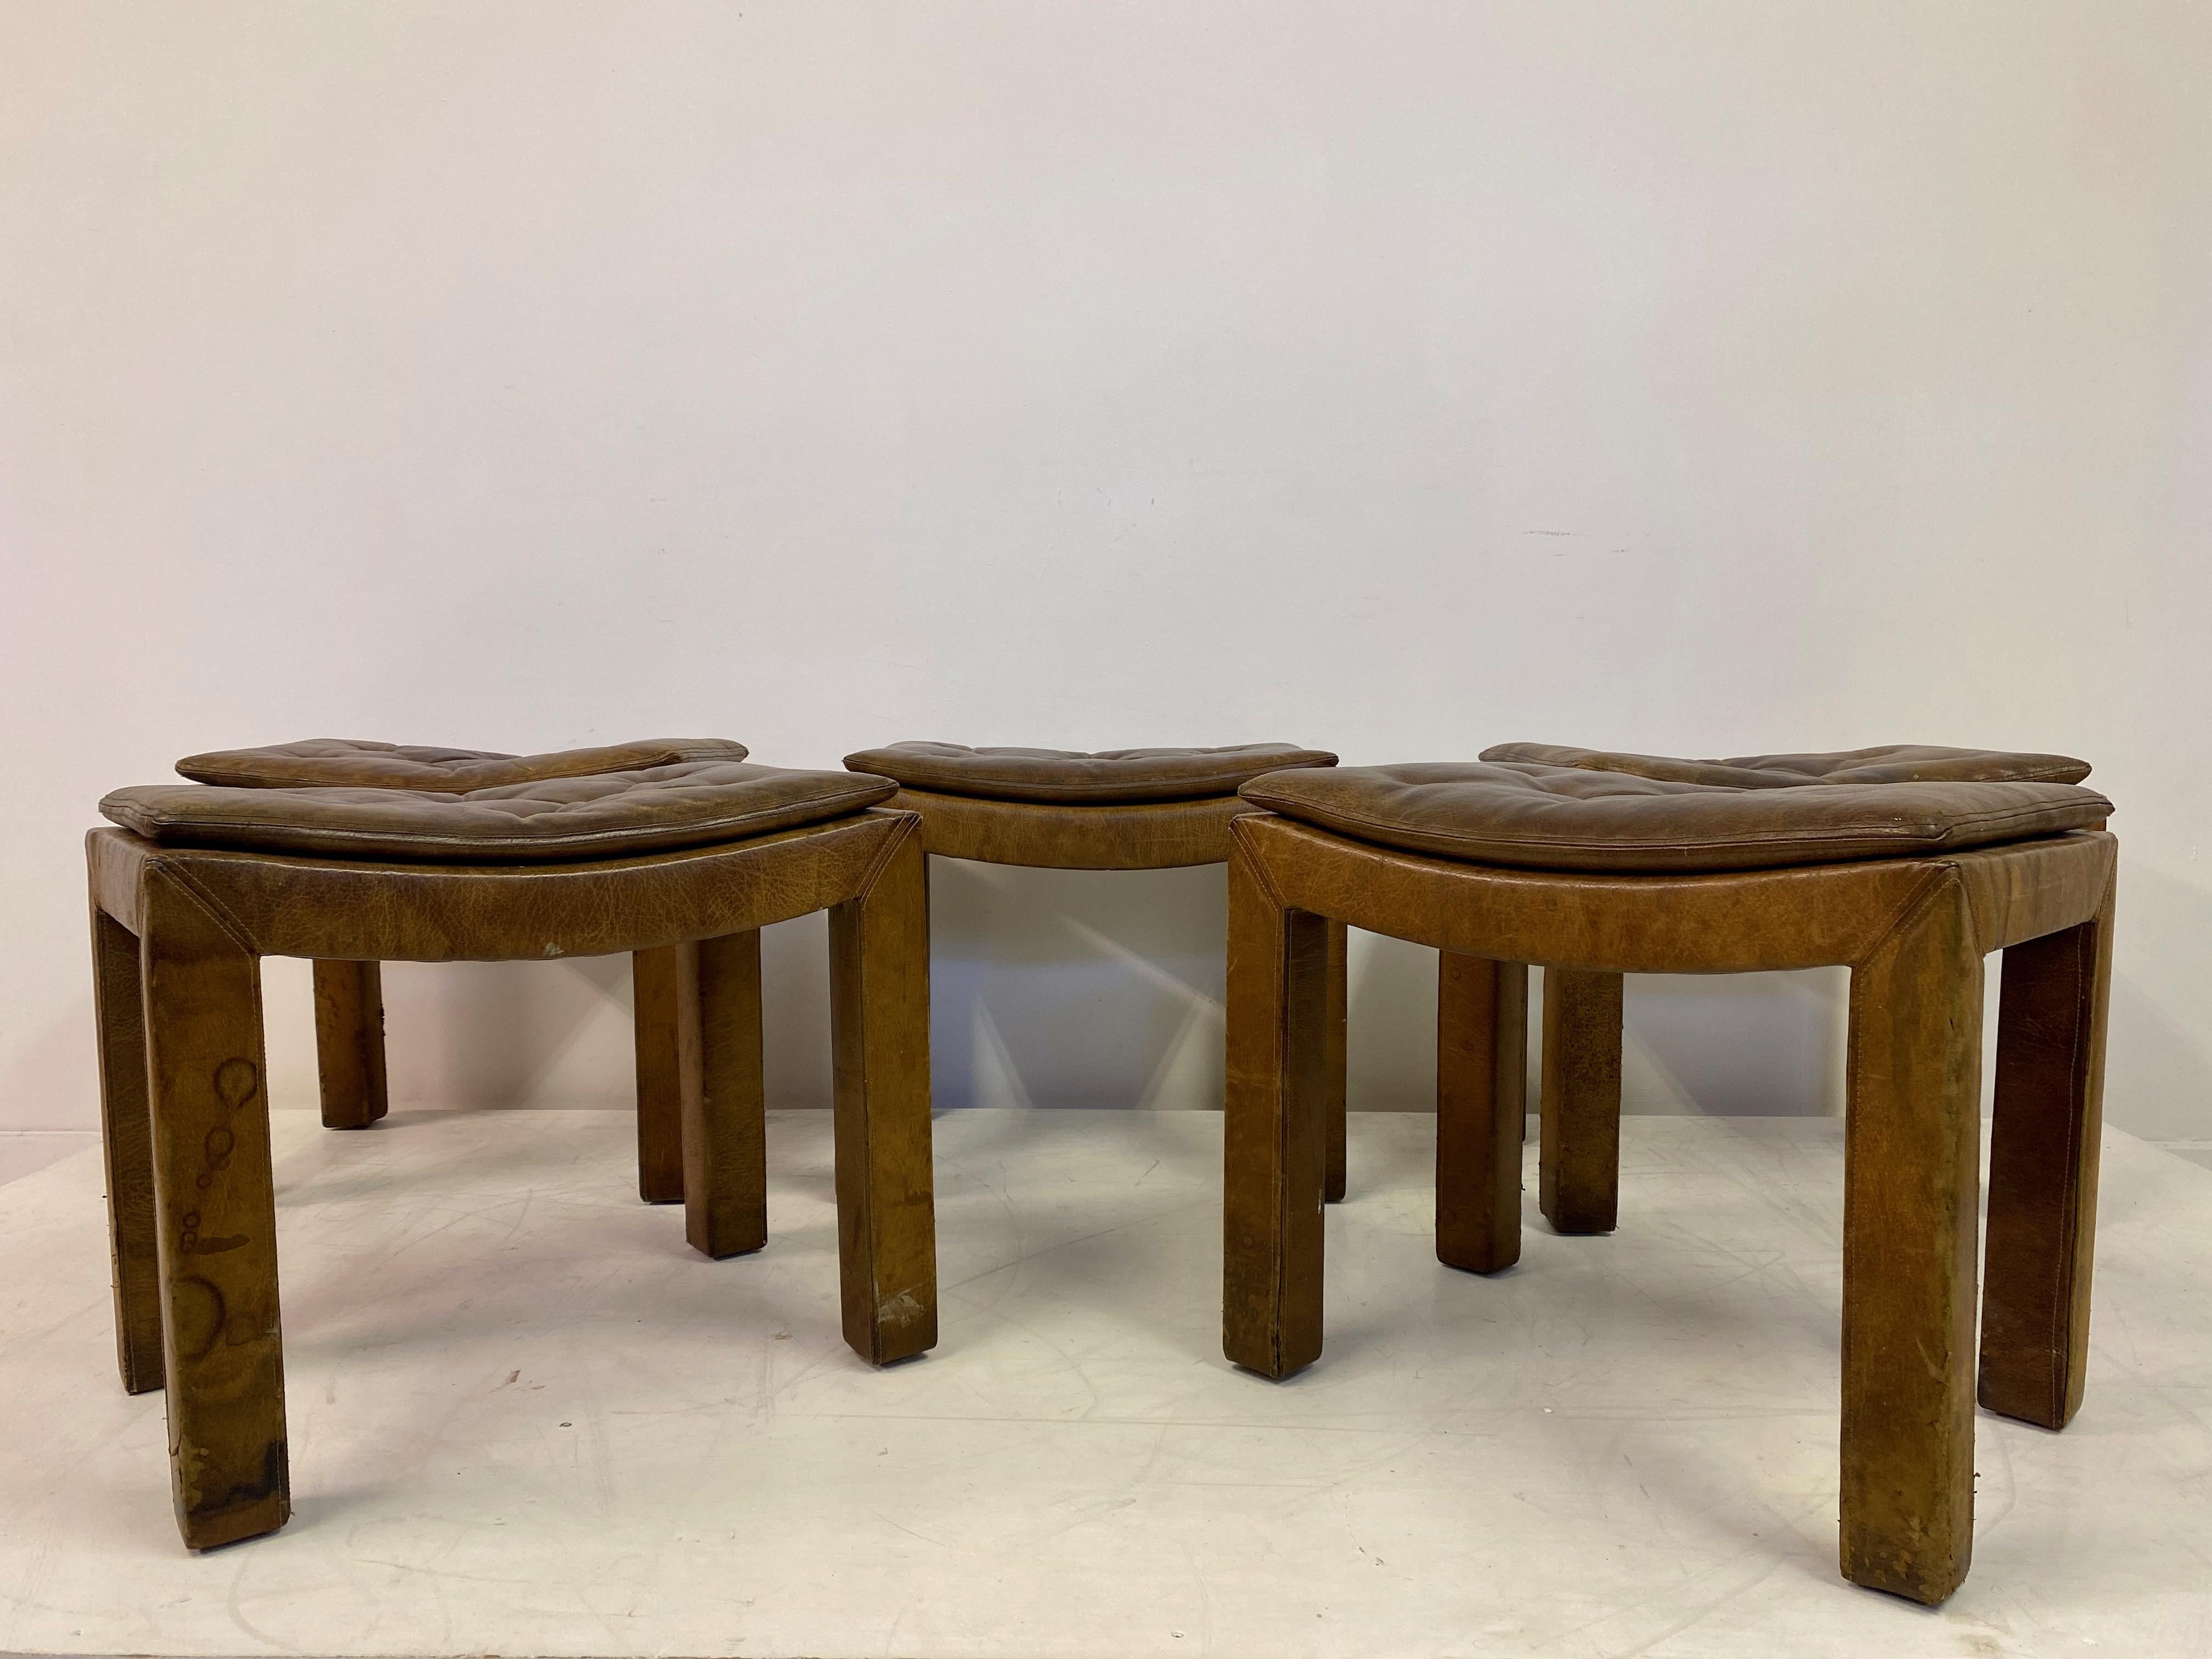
(1560, 817)
(1895, 762)
(359, 764)
(1071, 777)
(607, 815)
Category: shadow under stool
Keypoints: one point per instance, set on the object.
(1910, 885)
(1121, 809)
(1579, 1159)
(350, 995)
(691, 860)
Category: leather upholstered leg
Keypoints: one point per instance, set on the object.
(1579, 1159)
(215, 1222)
(2043, 1172)
(724, 1120)
(1332, 1061)
(1482, 1088)
(1912, 1143)
(879, 1036)
(349, 1043)
(1275, 1159)
(655, 995)
(126, 1134)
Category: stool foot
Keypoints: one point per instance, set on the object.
(724, 1121)
(1579, 1155)
(879, 1036)
(1332, 1062)
(1482, 1086)
(126, 1135)
(349, 1043)
(1912, 1142)
(215, 1222)
(2043, 1172)
(1274, 1156)
(655, 996)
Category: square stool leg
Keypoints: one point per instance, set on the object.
(1911, 1192)
(214, 1222)
(2043, 1172)
(1579, 1123)
(1482, 1092)
(1334, 1068)
(349, 1043)
(126, 1136)
(1274, 1157)
(655, 995)
(879, 1038)
(724, 1116)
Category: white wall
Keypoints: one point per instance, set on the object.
(1688, 377)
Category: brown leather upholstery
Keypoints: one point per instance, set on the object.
(353, 763)
(607, 815)
(1555, 817)
(177, 935)
(1895, 762)
(1071, 777)
(1914, 932)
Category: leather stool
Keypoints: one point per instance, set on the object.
(350, 995)
(1502, 865)
(1579, 1157)
(1116, 809)
(692, 858)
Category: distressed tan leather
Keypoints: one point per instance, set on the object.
(1555, 817)
(1896, 762)
(1073, 777)
(354, 763)
(1914, 932)
(177, 935)
(606, 815)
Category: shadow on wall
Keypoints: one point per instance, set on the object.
(2158, 1077)
(496, 1035)
(1768, 1044)
(1736, 1045)
(1077, 987)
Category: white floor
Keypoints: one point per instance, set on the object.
(525, 1419)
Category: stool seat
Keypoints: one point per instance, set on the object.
(680, 866)
(1071, 777)
(359, 763)
(604, 815)
(1560, 817)
(1895, 762)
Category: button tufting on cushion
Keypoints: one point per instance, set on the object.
(606, 815)
(1558, 817)
(1073, 777)
(1895, 762)
(356, 762)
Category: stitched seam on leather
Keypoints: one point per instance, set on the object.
(1266, 876)
(891, 844)
(207, 905)
(2069, 1166)
(1907, 908)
